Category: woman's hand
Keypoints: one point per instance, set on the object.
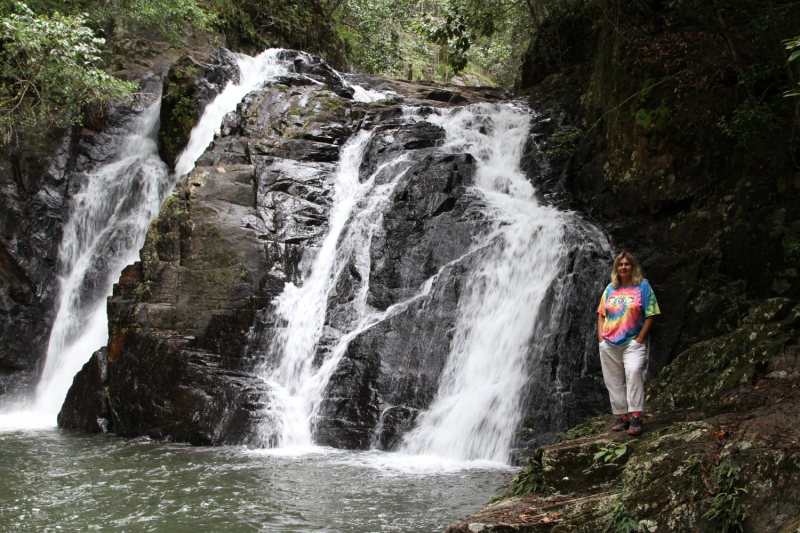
(648, 322)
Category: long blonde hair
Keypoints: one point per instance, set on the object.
(636, 276)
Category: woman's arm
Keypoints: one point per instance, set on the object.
(601, 321)
(643, 334)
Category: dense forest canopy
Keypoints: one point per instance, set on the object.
(55, 52)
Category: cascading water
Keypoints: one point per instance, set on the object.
(108, 221)
(298, 386)
(477, 408)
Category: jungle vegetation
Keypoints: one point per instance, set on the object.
(54, 53)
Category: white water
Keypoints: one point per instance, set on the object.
(254, 71)
(108, 221)
(477, 410)
(107, 227)
(298, 387)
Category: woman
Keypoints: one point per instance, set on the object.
(624, 318)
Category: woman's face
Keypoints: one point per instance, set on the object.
(624, 270)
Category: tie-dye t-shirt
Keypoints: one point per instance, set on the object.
(625, 309)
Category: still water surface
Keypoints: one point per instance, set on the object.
(55, 480)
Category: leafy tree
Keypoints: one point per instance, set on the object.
(50, 70)
(52, 55)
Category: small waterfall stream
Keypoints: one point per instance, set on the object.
(477, 407)
(107, 226)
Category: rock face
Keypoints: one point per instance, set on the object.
(35, 181)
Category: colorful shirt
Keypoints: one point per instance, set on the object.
(625, 309)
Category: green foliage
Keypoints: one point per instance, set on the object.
(263, 23)
(181, 119)
(610, 453)
(168, 17)
(727, 513)
(530, 479)
(619, 520)
(52, 55)
(576, 432)
(750, 124)
(50, 70)
(456, 29)
(564, 143)
(379, 35)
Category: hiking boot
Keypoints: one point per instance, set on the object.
(621, 424)
(636, 426)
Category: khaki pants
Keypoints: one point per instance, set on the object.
(622, 372)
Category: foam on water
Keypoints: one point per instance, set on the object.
(403, 464)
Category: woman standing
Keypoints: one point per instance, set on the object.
(624, 318)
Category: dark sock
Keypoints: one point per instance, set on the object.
(637, 413)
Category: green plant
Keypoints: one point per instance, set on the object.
(619, 520)
(574, 433)
(144, 290)
(727, 513)
(50, 70)
(564, 143)
(529, 479)
(610, 453)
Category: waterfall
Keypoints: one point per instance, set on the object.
(297, 386)
(108, 221)
(477, 407)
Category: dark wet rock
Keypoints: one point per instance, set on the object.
(315, 68)
(35, 187)
(160, 388)
(193, 81)
(87, 408)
